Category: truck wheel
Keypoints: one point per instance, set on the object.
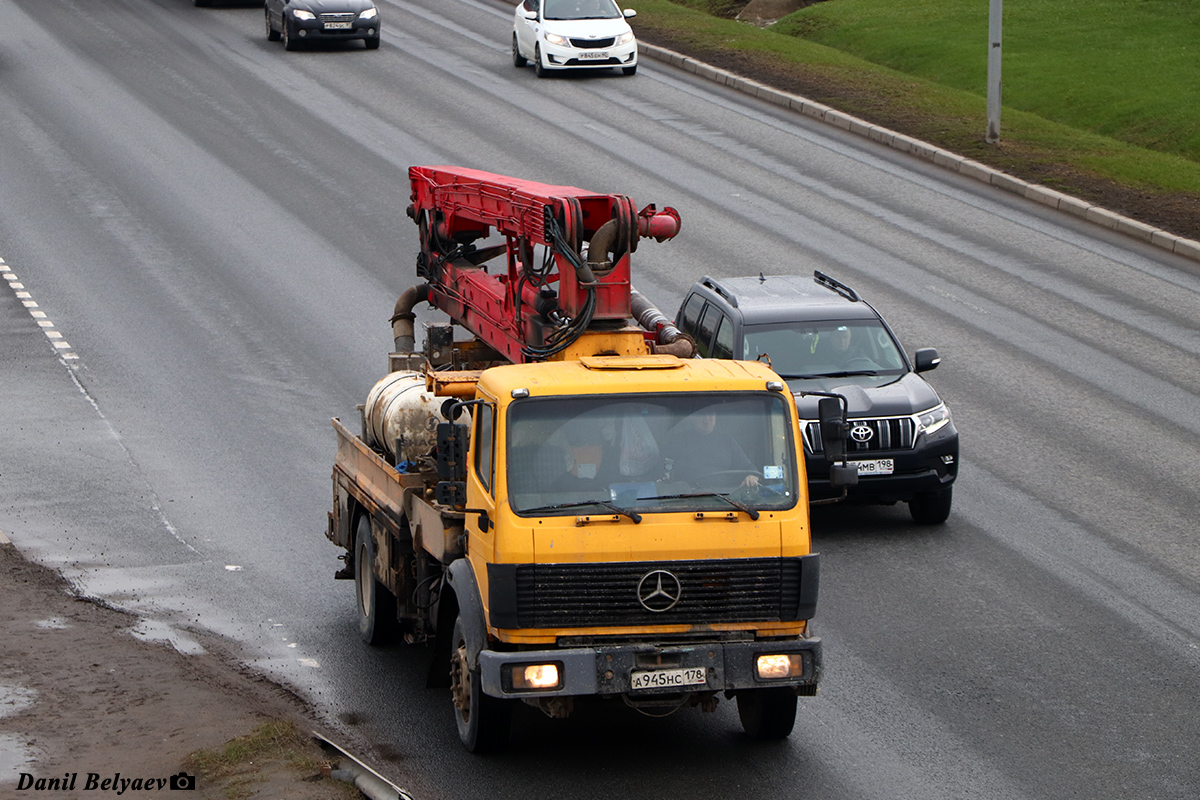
(931, 508)
(377, 622)
(483, 722)
(767, 713)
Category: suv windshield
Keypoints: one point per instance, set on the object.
(582, 9)
(826, 353)
(698, 451)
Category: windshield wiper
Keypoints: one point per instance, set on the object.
(633, 515)
(739, 506)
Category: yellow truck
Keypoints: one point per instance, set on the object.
(612, 520)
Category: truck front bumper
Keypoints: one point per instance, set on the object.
(610, 670)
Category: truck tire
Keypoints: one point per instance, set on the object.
(767, 713)
(483, 722)
(377, 623)
(931, 508)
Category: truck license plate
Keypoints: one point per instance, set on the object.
(337, 26)
(880, 466)
(667, 678)
(594, 55)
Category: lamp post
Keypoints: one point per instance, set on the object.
(995, 12)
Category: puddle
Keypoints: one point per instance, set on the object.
(149, 630)
(15, 758)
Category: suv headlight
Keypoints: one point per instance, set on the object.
(933, 420)
(625, 38)
(370, 13)
(300, 13)
(561, 41)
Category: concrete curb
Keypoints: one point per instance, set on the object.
(1187, 248)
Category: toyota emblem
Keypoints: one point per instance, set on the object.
(861, 433)
(658, 591)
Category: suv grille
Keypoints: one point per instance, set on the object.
(893, 433)
(735, 590)
(593, 44)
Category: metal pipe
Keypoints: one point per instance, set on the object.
(403, 318)
(671, 340)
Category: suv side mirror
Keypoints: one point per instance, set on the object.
(925, 359)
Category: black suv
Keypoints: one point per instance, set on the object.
(822, 338)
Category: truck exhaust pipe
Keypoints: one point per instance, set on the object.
(403, 319)
(671, 340)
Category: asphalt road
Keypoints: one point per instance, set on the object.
(215, 228)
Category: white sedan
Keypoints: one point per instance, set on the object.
(573, 34)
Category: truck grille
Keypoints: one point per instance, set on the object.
(593, 44)
(584, 595)
(893, 433)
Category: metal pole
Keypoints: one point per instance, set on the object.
(995, 12)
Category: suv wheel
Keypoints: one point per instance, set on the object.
(931, 508)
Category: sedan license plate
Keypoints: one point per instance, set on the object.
(668, 678)
(594, 55)
(338, 26)
(880, 466)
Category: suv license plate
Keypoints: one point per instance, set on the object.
(667, 678)
(880, 466)
(337, 26)
(594, 55)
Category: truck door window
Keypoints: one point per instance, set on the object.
(484, 441)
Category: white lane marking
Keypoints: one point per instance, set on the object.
(61, 346)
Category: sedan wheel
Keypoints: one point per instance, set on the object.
(272, 34)
(289, 42)
(540, 70)
(518, 59)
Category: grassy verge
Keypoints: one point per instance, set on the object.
(276, 760)
(907, 66)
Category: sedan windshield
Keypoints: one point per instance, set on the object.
(832, 351)
(631, 453)
(582, 9)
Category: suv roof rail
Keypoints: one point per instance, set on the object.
(835, 285)
(719, 289)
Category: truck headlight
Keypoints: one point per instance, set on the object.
(535, 677)
(774, 667)
(932, 420)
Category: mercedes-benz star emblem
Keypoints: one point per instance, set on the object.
(659, 591)
(861, 433)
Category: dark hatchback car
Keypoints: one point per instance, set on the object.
(820, 336)
(298, 21)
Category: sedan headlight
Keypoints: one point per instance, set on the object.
(300, 13)
(625, 38)
(370, 13)
(932, 420)
(561, 41)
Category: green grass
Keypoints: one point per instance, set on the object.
(1095, 92)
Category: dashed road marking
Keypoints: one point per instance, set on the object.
(61, 346)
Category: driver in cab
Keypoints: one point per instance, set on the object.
(701, 448)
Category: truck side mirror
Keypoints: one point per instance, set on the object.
(925, 359)
(833, 428)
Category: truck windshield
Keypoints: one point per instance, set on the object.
(642, 453)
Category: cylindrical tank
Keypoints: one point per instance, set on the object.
(398, 407)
